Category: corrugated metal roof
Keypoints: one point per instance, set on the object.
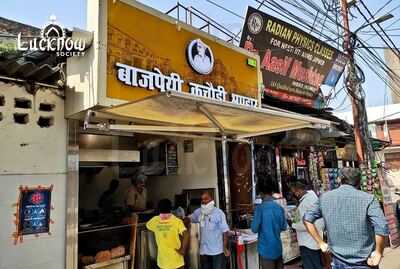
(326, 114)
(33, 66)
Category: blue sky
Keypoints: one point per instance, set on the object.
(72, 13)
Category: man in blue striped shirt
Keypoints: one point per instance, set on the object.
(354, 222)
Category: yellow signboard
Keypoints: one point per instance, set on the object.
(160, 51)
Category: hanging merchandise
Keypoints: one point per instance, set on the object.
(334, 178)
(330, 178)
(321, 159)
(324, 179)
(365, 183)
(370, 181)
(376, 181)
(288, 166)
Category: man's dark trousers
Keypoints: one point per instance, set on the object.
(311, 258)
(212, 262)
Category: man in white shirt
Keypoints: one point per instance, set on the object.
(309, 250)
(214, 233)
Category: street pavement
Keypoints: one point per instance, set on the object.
(391, 260)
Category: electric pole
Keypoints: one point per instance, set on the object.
(363, 143)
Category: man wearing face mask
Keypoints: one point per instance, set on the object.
(214, 232)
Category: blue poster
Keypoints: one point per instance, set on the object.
(34, 211)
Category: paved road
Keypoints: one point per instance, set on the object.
(391, 259)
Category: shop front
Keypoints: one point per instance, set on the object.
(310, 156)
(159, 99)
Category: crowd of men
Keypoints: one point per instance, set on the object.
(352, 222)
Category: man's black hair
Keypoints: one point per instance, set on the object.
(165, 206)
(297, 185)
(266, 189)
(208, 192)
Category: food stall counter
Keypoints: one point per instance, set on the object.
(246, 253)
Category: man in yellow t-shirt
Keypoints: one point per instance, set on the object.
(171, 237)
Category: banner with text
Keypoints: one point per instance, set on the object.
(149, 53)
(294, 64)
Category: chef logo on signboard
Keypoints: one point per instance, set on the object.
(200, 57)
(255, 23)
(36, 198)
(53, 38)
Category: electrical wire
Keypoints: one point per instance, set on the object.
(340, 107)
(309, 8)
(334, 20)
(341, 104)
(381, 8)
(285, 13)
(310, 20)
(375, 67)
(318, 10)
(336, 32)
(225, 9)
(387, 30)
(395, 49)
(330, 98)
(390, 11)
(378, 61)
(374, 35)
(393, 23)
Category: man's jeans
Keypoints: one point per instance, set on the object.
(338, 264)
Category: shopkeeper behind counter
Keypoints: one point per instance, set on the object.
(107, 201)
(136, 196)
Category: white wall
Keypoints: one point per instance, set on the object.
(86, 76)
(196, 170)
(31, 156)
(28, 148)
(45, 252)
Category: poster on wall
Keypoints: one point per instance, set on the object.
(33, 212)
(293, 63)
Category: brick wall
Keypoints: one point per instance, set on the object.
(394, 132)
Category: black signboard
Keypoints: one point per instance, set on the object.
(294, 64)
(171, 159)
(34, 211)
(188, 146)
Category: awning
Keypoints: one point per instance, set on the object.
(182, 112)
